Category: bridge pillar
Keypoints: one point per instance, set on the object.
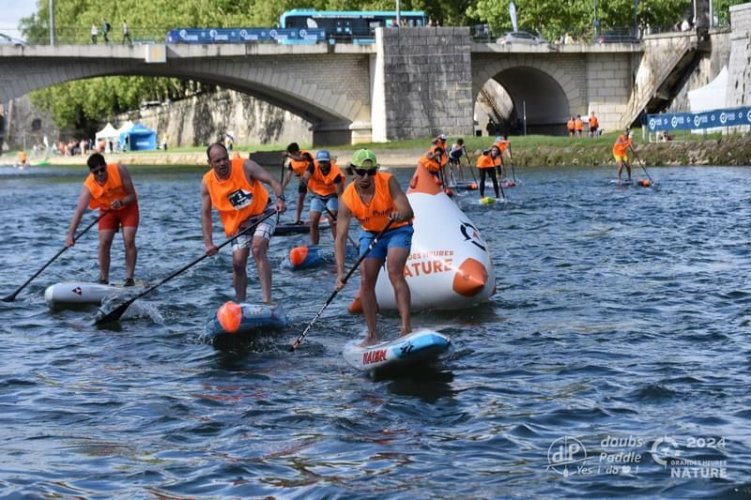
(422, 83)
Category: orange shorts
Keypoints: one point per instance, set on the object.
(127, 216)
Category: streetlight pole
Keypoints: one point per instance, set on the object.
(398, 14)
(52, 22)
(636, 18)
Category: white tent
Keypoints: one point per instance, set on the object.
(124, 128)
(711, 96)
(108, 135)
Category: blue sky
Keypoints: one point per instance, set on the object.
(11, 11)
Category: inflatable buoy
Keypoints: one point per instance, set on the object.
(644, 183)
(449, 266)
(304, 257)
(230, 315)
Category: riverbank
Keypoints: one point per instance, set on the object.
(723, 151)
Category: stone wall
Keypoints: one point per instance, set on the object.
(207, 118)
(739, 79)
(429, 86)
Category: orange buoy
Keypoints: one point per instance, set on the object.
(645, 183)
(470, 278)
(298, 255)
(355, 307)
(473, 186)
(230, 315)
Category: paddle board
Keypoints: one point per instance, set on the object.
(638, 182)
(420, 347)
(256, 319)
(287, 228)
(82, 293)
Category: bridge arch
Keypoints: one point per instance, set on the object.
(299, 83)
(543, 89)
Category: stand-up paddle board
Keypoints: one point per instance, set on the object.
(242, 320)
(81, 293)
(287, 228)
(421, 347)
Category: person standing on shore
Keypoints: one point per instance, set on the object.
(325, 181)
(109, 188)
(234, 189)
(299, 162)
(94, 33)
(126, 33)
(375, 199)
(620, 153)
(594, 124)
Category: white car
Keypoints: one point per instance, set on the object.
(9, 40)
(524, 37)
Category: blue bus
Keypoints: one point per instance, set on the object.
(350, 25)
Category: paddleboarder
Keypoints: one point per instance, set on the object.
(378, 203)
(233, 188)
(109, 188)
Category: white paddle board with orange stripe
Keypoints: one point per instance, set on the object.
(449, 266)
(76, 293)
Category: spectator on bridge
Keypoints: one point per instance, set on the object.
(106, 31)
(126, 33)
(593, 124)
(94, 33)
(570, 126)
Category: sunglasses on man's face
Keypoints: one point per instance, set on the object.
(362, 172)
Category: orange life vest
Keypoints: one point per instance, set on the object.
(593, 122)
(375, 215)
(300, 166)
(235, 198)
(430, 164)
(503, 144)
(324, 185)
(487, 161)
(578, 124)
(570, 125)
(621, 145)
(102, 195)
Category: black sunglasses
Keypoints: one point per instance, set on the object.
(97, 170)
(362, 172)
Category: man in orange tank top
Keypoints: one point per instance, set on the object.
(234, 189)
(374, 198)
(299, 162)
(110, 189)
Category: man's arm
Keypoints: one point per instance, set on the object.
(403, 210)
(254, 171)
(206, 223)
(130, 191)
(83, 201)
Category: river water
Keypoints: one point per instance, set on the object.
(613, 360)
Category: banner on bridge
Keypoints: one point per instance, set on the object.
(246, 35)
(666, 122)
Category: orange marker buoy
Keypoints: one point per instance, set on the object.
(645, 183)
(230, 315)
(355, 307)
(298, 255)
(470, 278)
(473, 186)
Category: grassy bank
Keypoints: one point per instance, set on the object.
(531, 150)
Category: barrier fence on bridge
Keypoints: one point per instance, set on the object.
(716, 120)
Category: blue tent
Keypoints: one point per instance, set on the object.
(138, 138)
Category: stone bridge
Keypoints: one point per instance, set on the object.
(413, 82)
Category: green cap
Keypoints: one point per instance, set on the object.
(364, 158)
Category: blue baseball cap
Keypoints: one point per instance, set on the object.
(323, 155)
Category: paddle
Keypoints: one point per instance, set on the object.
(641, 163)
(471, 170)
(300, 338)
(115, 314)
(12, 296)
